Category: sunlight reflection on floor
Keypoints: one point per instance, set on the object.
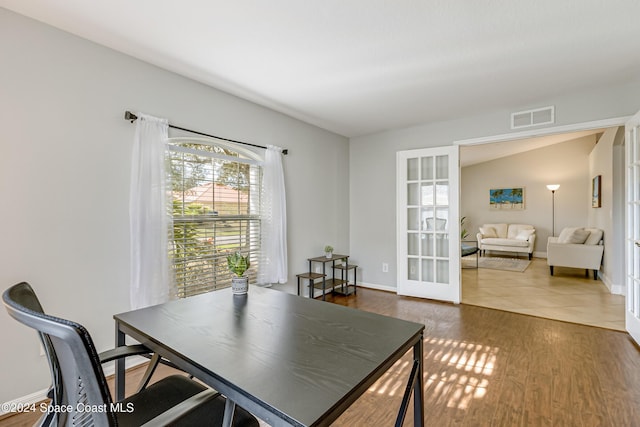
(464, 374)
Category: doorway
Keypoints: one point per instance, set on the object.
(567, 295)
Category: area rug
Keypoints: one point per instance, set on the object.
(508, 264)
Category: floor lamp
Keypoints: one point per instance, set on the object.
(553, 188)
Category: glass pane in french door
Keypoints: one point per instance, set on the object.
(428, 194)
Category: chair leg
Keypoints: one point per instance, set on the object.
(551, 269)
(153, 364)
(595, 274)
(586, 273)
(530, 255)
(229, 409)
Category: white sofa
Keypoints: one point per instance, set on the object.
(576, 247)
(518, 238)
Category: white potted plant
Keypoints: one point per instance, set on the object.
(328, 251)
(238, 264)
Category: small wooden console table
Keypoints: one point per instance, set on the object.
(340, 285)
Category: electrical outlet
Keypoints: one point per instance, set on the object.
(385, 267)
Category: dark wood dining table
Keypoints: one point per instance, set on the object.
(287, 359)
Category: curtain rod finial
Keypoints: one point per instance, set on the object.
(285, 151)
(128, 115)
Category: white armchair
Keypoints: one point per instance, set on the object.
(576, 248)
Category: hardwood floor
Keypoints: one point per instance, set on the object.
(567, 296)
(486, 367)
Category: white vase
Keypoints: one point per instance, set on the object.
(328, 254)
(240, 285)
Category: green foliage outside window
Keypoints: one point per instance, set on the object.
(205, 233)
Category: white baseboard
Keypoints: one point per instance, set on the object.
(613, 288)
(385, 288)
(617, 290)
(24, 401)
(318, 292)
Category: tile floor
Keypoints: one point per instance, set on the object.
(567, 296)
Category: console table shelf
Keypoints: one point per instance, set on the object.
(344, 287)
(312, 278)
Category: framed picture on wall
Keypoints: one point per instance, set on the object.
(596, 202)
(506, 198)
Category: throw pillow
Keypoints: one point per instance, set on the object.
(525, 234)
(574, 235)
(488, 232)
(595, 235)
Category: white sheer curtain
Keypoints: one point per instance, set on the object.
(273, 260)
(149, 217)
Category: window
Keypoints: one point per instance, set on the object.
(216, 211)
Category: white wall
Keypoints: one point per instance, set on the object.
(64, 178)
(566, 164)
(616, 265)
(372, 164)
(601, 162)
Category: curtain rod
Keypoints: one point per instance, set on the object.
(128, 115)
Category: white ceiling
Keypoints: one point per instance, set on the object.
(357, 67)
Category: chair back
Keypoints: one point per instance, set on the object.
(79, 385)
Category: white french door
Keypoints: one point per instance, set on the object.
(632, 142)
(428, 227)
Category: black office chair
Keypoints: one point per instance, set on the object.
(78, 381)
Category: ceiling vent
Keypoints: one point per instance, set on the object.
(539, 116)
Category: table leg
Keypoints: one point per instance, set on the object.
(119, 374)
(355, 280)
(414, 386)
(324, 280)
(418, 390)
